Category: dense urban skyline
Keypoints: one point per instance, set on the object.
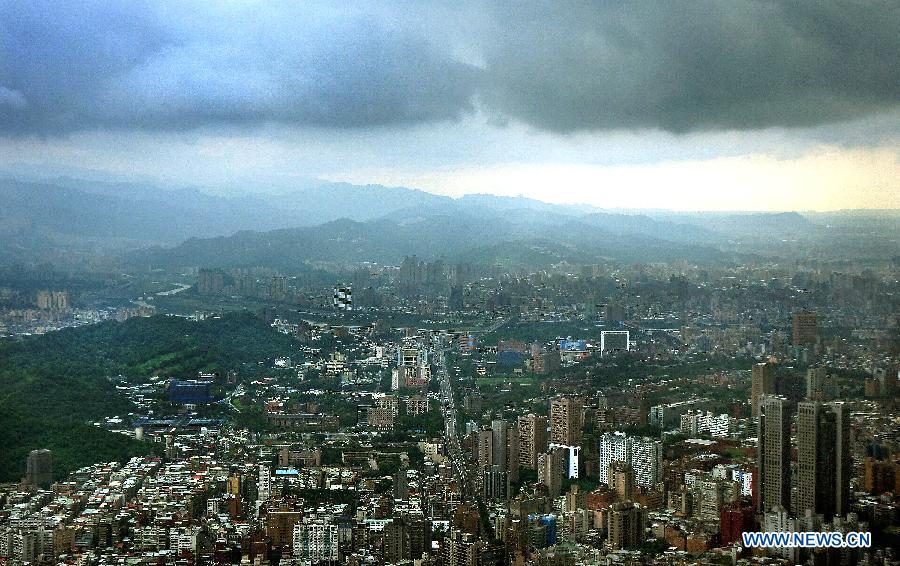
(547, 283)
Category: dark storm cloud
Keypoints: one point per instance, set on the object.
(558, 66)
(69, 66)
(694, 65)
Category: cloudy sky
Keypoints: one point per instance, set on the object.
(687, 105)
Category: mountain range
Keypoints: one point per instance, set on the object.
(338, 222)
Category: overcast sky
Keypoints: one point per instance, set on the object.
(686, 105)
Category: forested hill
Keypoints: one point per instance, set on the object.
(54, 385)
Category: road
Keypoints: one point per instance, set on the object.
(497, 325)
(461, 472)
(179, 288)
(228, 400)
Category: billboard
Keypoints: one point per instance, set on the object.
(614, 341)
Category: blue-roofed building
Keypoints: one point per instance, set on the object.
(510, 358)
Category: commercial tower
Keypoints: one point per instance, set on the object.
(499, 443)
(551, 469)
(773, 454)
(495, 483)
(39, 468)
(823, 460)
(566, 420)
(762, 383)
(625, 525)
(532, 439)
(804, 329)
(485, 448)
(620, 477)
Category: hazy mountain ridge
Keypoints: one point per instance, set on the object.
(749, 223)
(166, 217)
(458, 238)
(347, 223)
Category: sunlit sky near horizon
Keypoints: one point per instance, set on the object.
(701, 106)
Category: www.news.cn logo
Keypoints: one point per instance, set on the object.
(852, 539)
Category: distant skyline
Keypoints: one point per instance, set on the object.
(701, 106)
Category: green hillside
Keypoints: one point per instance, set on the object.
(54, 385)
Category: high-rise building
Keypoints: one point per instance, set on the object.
(823, 459)
(210, 281)
(815, 453)
(52, 300)
(44, 300)
(39, 468)
(512, 453)
(773, 454)
(495, 483)
(709, 496)
(620, 477)
(499, 443)
(613, 447)
(233, 484)
(544, 360)
(417, 405)
(734, 519)
(551, 468)
(566, 420)
(804, 329)
(280, 519)
(573, 459)
(625, 525)
(406, 538)
(278, 288)
(60, 300)
(456, 301)
(646, 461)
(485, 448)
(264, 483)
(880, 476)
(315, 541)
(815, 378)
(762, 383)
(886, 379)
(644, 455)
(409, 278)
(413, 370)
(532, 439)
(401, 484)
(463, 549)
(820, 386)
(384, 414)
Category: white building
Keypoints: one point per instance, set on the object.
(669, 414)
(264, 488)
(183, 539)
(779, 521)
(644, 455)
(735, 473)
(696, 422)
(315, 541)
(574, 453)
(613, 446)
